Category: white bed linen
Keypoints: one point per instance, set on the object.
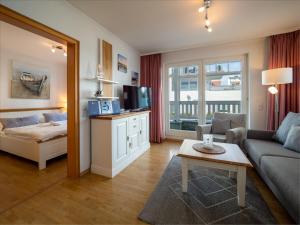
(38, 132)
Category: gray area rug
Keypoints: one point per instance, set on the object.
(211, 199)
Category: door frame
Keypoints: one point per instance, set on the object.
(14, 18)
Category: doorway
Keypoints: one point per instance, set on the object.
(73, 144)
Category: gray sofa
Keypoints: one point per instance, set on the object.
(278, 166)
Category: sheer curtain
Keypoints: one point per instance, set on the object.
(285, 52)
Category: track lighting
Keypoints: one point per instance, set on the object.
(58, 47)
(204, 8)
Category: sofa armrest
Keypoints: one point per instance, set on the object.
(236, 135)
(261, 135)
(203, 129)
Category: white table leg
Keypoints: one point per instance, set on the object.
(241, 185)
(184, 171)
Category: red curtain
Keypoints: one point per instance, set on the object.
(151, 77)
(285, 52)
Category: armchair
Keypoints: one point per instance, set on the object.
(235, 135)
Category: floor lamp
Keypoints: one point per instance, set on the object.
(274, 77)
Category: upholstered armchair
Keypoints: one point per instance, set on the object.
(225, 127)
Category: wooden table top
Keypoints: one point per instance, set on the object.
(232, 156)
(118, 116)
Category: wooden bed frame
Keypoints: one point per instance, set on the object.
(36, 151)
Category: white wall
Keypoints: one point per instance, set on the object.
(256, 56)
(63, 17)
(20, 46)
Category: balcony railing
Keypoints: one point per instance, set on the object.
(188, 110)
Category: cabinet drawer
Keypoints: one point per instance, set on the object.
(133, 125)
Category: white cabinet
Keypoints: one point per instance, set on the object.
(117, 141)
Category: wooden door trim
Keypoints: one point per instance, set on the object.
(12, 17)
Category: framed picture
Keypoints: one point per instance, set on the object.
(29, 82)
(122, 63)
(135, 78)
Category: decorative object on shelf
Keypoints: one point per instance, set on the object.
(204, 8)
(100, 73)
(122, 63)
(274, 77)
(29, 82)
(215, 149)
(60, 48)
(135, 78)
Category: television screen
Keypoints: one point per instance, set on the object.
(136, 97)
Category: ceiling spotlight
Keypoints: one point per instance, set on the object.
(53, 49)
(201, 9)
(207, 22)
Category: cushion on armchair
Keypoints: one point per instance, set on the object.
(220, 126)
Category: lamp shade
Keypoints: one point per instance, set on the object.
(277, 76)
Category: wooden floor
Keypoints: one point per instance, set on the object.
(92, 198)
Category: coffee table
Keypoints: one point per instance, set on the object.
(232, 160)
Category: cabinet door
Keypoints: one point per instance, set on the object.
(133, 142)
(144, 135)
(121, 139)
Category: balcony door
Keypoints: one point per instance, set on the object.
(183, 99)
(225, 86)
(195, 91)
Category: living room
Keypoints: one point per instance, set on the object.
(183, 112)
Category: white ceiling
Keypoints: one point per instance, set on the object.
(27, 43)
(166, 25)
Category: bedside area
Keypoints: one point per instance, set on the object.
(117, 140)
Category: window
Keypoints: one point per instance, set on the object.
(194, 96)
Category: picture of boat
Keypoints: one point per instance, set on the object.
(33, 83)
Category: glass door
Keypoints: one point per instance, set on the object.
(183, 100)
(223, 87)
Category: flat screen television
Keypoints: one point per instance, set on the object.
(136, 98)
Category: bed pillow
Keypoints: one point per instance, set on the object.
(293, 139)
(55, 116)
(19, 122)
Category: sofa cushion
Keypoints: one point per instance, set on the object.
(284, 173)
(220, 126)
(285, 126)
(258, 148)
(293, 139)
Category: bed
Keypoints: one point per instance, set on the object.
(38, 142)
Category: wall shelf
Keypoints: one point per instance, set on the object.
(102, 97)
(101, 80)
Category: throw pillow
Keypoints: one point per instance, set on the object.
(220, 126)
(293, 139)
(285, 126)
(19, 122)
(57, 116)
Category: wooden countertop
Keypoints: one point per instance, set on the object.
(118, 116)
